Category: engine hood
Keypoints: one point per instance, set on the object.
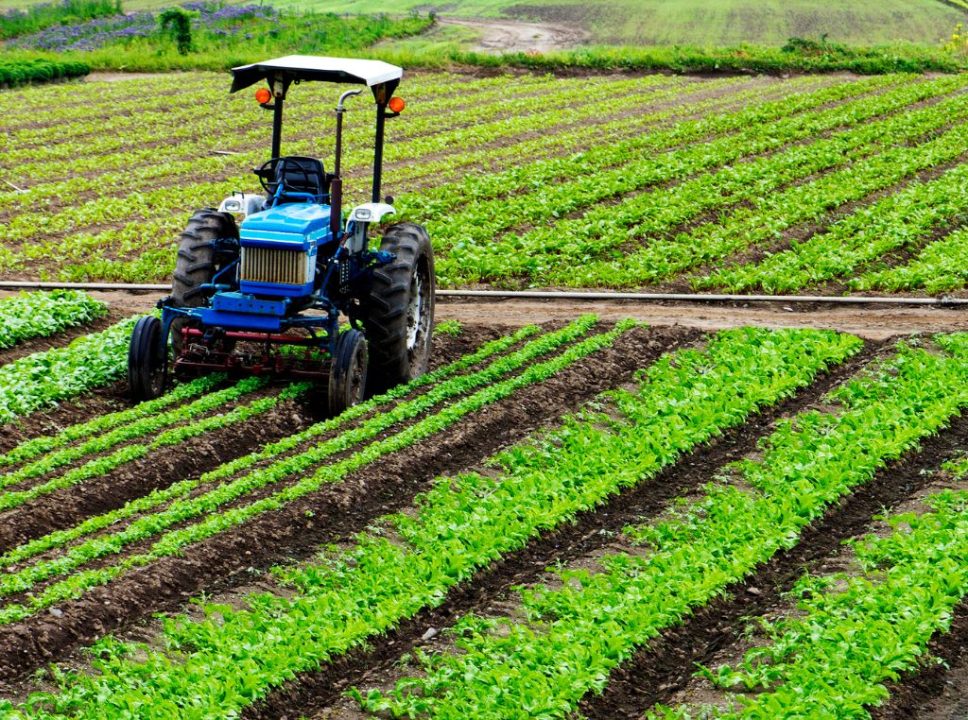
(301, 224)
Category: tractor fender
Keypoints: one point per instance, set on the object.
(243, 204)
(371, 212)
(360, 217)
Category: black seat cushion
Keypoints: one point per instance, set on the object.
(301, 174)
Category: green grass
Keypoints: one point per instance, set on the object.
(699, 22)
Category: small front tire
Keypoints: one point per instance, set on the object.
(347, 376)
(147, 360)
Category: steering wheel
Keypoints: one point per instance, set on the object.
(269, 175)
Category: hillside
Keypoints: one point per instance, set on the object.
(701, 22)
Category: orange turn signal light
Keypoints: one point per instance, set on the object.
(263, 96)
(397, 104)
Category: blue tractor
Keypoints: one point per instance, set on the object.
(265, 294)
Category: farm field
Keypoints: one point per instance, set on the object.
(667, 183)
(504, 516)
(678, 22)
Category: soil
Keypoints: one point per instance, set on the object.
(873, 322)
(507, 36)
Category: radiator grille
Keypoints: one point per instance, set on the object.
(271, 265)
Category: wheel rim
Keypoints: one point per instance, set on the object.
(159, 370)
(357, 375)
(417, 319)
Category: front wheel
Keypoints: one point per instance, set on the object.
(399, 310)
(347, 376)
(147, 360)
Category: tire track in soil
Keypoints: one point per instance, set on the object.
(666, 665)
(225, 560)
(314, 691)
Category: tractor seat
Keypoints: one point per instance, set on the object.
(302, 174)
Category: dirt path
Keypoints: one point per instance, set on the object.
(499, 36)
(870, 322)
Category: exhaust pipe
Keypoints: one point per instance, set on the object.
(336, 184)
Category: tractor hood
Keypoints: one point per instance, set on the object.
(300, 224)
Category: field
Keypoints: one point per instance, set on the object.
(643, 512)
(679, 22)
(501, 522)
(738, 184)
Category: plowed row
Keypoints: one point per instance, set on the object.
(737, 184)
(576, 514)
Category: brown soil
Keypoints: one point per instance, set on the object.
(507, 36)
(592, 530)
(871, 322)
(224, 560)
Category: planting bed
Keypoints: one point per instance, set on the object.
(729, 184)
(576, 512)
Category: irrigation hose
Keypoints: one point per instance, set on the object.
(943, 301)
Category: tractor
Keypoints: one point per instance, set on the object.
(261, 284)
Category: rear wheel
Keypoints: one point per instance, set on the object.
(347, 377)
(147, 360)
(398, 313)
(198, 261)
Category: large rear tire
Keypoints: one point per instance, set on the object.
(147, 360)
(347, 377)
(198, 261)
(398, 313)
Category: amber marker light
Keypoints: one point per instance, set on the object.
(263, 96)
(397, 104)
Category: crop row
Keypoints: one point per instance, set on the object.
(547, 250)
(77, 127)
(766, 219)
(897, 222)
(130, 238)
(65, 104)
(576, 634)
(536, 175)
(179, 169)
(226, 662)
(186, 421)
(939, 267)
(911, 582)
(41, 314)
(45, 378)
(421, 134)
(33, 223)
(41, 446)
(208, 510)
(159, 498)
(162, 111)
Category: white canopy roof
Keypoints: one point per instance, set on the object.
(311, 67)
